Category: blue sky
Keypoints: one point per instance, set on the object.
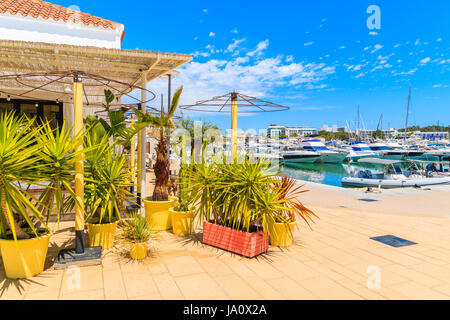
(317, 57)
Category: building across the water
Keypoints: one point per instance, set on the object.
(275, 130)
(334, 128)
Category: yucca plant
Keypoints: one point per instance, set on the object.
(135, 229)
(288, 192)
(107, 180)
(57, 156)
(238, 196)
(19, 165)
(164, 122)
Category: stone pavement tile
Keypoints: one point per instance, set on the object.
(326, 288)
(157, 266)
(128, 265)
(290, 289)
(262, 288)
(361, 290)
(96, 294)
(199, 286)
(294, 269)
(422, 256)
(139, 284)
(388, 277)
(438, 272)
(324, 270)
(81, 279)
(396, 256)
(445, 289)
(443, 255)
(12, 289)
(367, 255)
(114, 285)
(167, 287)
(184, 265)
(418, 291)
(155, 296)
(214, 266)
(414, 276)
(237, 265)
(262, 268)
(52, 294)
(236, 288)
(47, 280)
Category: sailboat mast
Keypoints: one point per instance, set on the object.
(407, 112)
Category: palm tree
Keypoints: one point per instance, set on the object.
(165, 124)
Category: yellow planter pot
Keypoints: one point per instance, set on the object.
(157, 213)
(102, 235)
(24, 258)
(182, 222)
(282, 234)
(138, 251)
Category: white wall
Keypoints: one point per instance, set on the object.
(17, 27)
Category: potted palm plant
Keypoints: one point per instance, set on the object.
(135, 231)
(107, 177)
(281, 232)
(182, 215)
(157, 206)
(236, 204)
(31, 155)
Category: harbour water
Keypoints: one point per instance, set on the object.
(324, 173)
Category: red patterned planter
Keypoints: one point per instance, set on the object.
(240, 242)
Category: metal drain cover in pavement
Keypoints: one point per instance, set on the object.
(393, 241)
(368, 200)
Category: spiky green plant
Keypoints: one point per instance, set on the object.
(19, 165)
(135, 228)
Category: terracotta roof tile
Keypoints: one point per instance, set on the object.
(46, 10)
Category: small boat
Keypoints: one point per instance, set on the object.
(325, 155)
(295, 155)
(359, 150)
(392, 175)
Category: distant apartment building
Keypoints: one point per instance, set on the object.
(433, 136)
(274, 130)
(364, 133)
(334, 128)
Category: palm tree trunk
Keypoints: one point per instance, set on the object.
(161, 192)
(19, 232)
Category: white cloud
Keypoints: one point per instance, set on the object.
(205, 10)
(439, 39)
(195, 38)
(440, 86)
(417, 42)
(410, 72)
(425, 60)
(289, 58)
(308, 43)
(341, 47)
(260, 47)
(366, 48)
(232, 46)
(373, 33)
(397, 45)
(376, 48)
(212, 34)
(362, 74)
(235, 31)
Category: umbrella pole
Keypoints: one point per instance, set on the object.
(78, 256)
(234, 125)
(79, 166)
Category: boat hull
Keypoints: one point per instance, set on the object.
(390, 184)
(337, 157)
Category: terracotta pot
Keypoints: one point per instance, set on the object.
(182, 221)
(282, 234)
(24, 258)
(248, 244)
(102, 235)
(157, 213)
(138, 251)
